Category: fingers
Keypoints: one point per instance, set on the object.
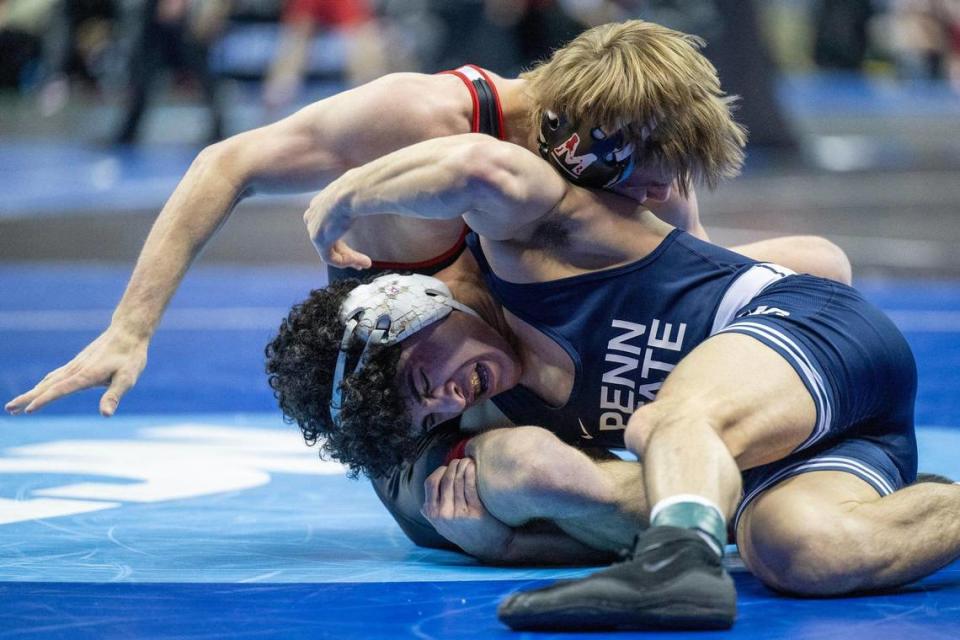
(326, 228)
(451, 491)
(459, 485)
(45, 393)
(471, 495)
(447, 493)
(18, 404)
(431, 494)
(119, 386)
(341, 255)
(70, 379)
(15, 406)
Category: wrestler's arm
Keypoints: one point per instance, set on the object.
(500, 189)
(299, 153)
(453, 506)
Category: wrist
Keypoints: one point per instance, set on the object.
(130, 330)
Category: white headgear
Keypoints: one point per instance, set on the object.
(385, 311)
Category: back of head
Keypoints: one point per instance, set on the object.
(655, 83)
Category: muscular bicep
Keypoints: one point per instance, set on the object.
(514, 190)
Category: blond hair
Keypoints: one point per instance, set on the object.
(635, 74)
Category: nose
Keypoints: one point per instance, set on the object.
(447, 398)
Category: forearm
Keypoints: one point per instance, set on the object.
(424, 180)
(501, 189)
(198, 207)
(532, 547)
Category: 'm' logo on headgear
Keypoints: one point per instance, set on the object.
(392, 290)
(567, 152)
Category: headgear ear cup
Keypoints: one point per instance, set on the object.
(385, 311)
(586, 156)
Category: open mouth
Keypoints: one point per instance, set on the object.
(479, 380)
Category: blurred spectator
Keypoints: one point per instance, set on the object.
(503, 35)
(366, 55)
(171, 34)
(925, 38)
(49, 41)
(841, 33)
(21, 27)
(78, 46)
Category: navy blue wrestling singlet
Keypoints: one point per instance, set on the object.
(626, 328)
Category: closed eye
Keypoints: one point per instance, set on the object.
(426, 384)
(430, 419)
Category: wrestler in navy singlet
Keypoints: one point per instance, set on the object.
(627, 327)
(624, 328)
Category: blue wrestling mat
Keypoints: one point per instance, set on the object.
(197, 513)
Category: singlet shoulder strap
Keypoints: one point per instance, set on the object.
(487, 114)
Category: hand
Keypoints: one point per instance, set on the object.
(112, 360)
(326, 225)
(453, 507)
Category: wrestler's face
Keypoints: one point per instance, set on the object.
(645, 184)
(451, 366)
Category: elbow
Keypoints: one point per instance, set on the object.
(222, 161)
(487, 168)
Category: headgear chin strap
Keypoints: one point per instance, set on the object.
(586, 155)
(385, 311)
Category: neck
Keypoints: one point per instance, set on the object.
(515, 102)
(468, 287)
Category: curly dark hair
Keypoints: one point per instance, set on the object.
(373, 433)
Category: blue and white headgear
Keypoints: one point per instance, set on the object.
(385, 311)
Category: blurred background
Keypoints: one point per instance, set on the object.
(853, 108)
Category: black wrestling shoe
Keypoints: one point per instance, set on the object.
(674, 581)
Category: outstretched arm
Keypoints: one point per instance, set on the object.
(300, 153)
(500, 189)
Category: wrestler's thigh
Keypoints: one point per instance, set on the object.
(805, 530)
(746, 391)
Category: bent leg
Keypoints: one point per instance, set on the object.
(731, 401)
(731, 404)
(527, 473)
(830, 533)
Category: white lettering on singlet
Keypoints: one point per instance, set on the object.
(627, 385)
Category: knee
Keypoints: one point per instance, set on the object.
(827, 260)
(807, 551)
(661, 416)
(516, 460)
(644, 422)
